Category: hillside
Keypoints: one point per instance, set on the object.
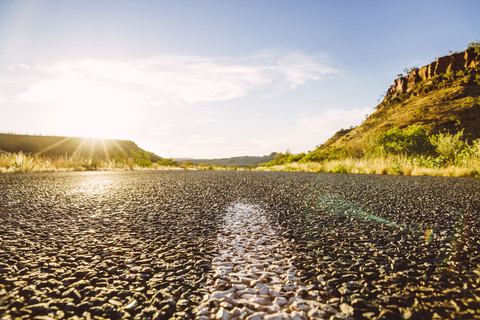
(238, 161)
(71, 146)
(443, 96)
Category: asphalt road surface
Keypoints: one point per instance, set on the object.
(147, 245)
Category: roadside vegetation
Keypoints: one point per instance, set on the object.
(408, 151)
(22, 162)
(137, 160)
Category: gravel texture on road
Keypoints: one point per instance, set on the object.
(143, 244)
(255, 276)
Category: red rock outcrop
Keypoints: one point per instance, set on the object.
(462, 61)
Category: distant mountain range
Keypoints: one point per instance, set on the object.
(102, 149)
(70, 146)
(244, 161)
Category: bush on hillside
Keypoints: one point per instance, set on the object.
(411, 141)
(475, 45)
(315, 156)
(140, 158)
(331, 153)
(449, 146)
(167, 162)
(284, 158)
(280, 158)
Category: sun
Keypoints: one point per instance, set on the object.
(90, 99)
(89, 108)
(98, 122)
(95, 120)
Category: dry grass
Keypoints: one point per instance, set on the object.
(394, 165)
(20, 162)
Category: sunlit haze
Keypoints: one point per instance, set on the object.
(210, 79)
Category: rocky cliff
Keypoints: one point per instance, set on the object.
(443, 96)
(465, 61)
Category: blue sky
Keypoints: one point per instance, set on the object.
(213, 78)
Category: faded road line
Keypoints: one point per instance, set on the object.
(254, 273)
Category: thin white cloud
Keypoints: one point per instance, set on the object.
(18, 66)
(161, 133)
(75, 88)
(294, 67)
(4, 99)
(174, 79)
(300, 68)
(213, 112)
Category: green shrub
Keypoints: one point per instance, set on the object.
(167, 163)
(320, 155)
(468, 153)
(413, 140)
(395, 168)
(428, 161)
(187, 164)
(140, 158)
(340, 168)
(280, 158)
(284, 158)
(315, 156)
(475, 148)
(296, 157)
(448, 146)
